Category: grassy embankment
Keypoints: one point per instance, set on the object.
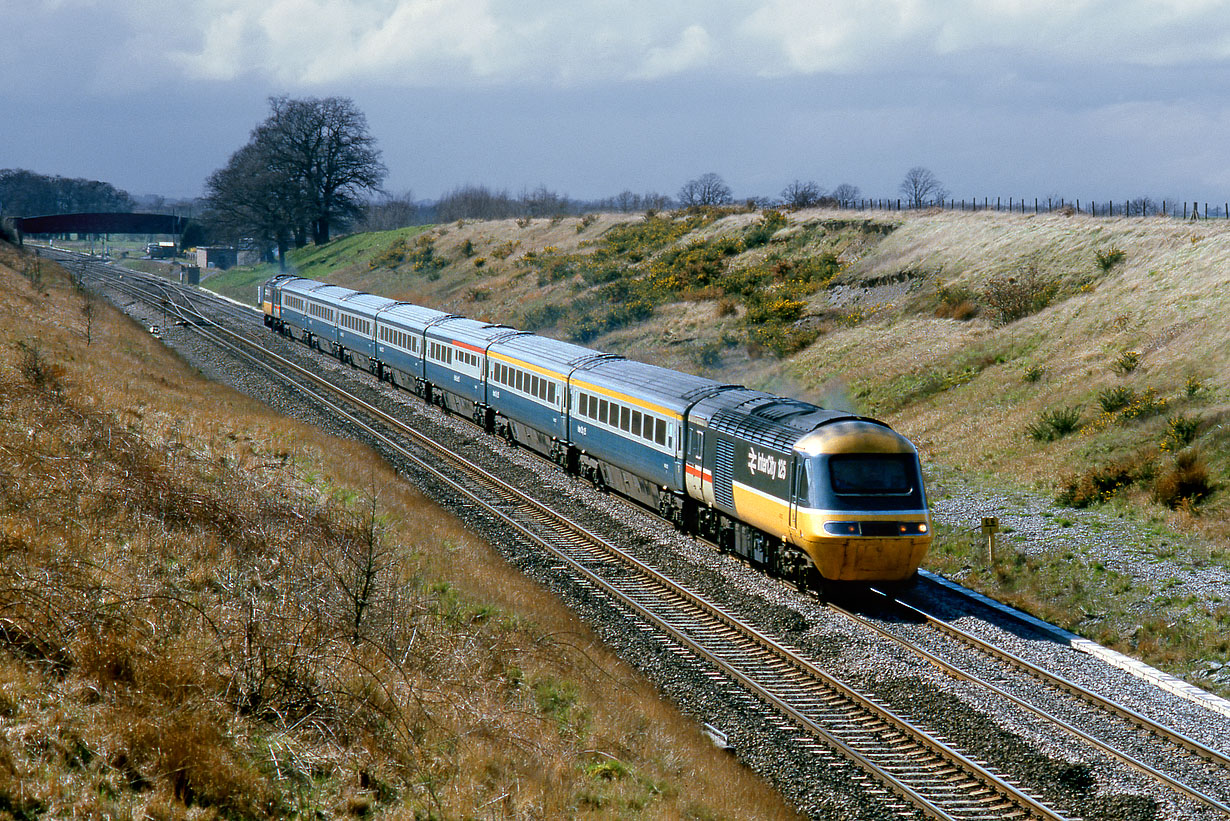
(1083, 359)
(210, 611)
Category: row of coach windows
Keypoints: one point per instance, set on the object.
(628, 419)
(441, 353)
(295, 303)
(467, 358)
(524, 381)
(354, 323)
(320, 312)
(401, 339)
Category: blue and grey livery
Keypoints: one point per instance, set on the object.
(808, 494)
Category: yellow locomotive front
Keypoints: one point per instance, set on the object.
(860, 510)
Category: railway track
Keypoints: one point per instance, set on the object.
(1170, 749)
(915, 772)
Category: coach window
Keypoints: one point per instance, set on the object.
(636, 423)
(659, 434)
(625, 417)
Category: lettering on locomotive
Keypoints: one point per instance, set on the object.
(766, 464)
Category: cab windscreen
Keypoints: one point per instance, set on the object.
(872, 474)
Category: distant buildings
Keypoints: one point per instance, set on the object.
(222, 257)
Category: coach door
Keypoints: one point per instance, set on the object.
(694, 470)
(798, 490)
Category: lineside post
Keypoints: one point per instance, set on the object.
(990, 529)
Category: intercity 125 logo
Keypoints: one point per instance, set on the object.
(766, 464)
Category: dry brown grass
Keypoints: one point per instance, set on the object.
(209, 611)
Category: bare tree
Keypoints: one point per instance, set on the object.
(390, 212)
(802, 194)
(543, 202)
(920, 187)
(845, 193)
(88, 310)
(1143, 207)
(475, 202)
(652, 200)
(26, 193)
(627, 201)
(707, 189)
(315, 156)
(249, 198)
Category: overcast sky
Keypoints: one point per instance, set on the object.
(1074, 98)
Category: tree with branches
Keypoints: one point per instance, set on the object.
(313, 159)
(921, 186)
(802, 194)
(707, 189)
(846, 193)
(250, 198)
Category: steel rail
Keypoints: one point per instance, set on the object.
(1060, 682)
(1081, 735)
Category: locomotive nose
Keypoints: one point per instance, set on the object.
(865, 514)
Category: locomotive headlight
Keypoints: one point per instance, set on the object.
(841, 528)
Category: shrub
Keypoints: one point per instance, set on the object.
(1193, 387)
(781, 340)
(761, 232)
(542, 317)
(727, 307)
(620, 313)
(957, 302)
(390, 257)
(1055, 423)
(779, 310)
(505, 249)
(1034, 373)
(1111, 258)
(1145, 405)
(586, 221)
(709, 355)
(467, 248)
(1185, 483)
(423, 256)
(1015, 297)
(1182, 429)
(1126, 362)
(1099, 484)
(36, 369)
(1113, 399)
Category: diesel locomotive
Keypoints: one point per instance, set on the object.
(809, 495)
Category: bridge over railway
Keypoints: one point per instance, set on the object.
(100, 223)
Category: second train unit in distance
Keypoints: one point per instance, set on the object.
(805, 493)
